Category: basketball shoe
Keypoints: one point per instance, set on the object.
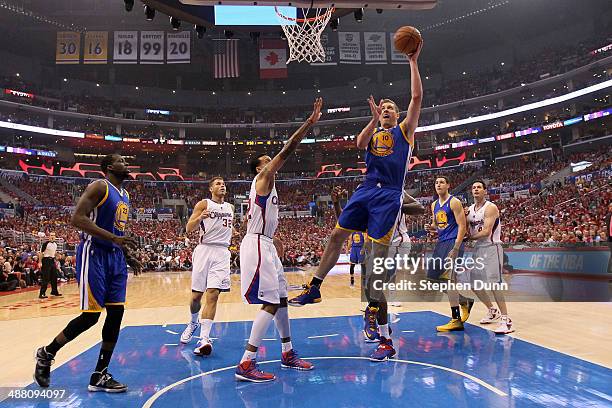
(290, 359)
(370, 328)
(203, 348)
(42, 372)
(249, 371)
(384, 351)
(188, 332)
(466, 308)
(453, 325)
(505, 325)
(493, 315)
(310, 294)
(104, 381)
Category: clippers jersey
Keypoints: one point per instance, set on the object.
(262, 216)
(445, 221)
(217, 229)
(401, 237)
(475, 220)
(111, 214)
(387, 158)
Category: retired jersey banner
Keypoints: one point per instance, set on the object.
(330, 45)
(396, 56)
(272, 59)
(375, 48)
(350, 47)
(68, 47)
(152, 47)
(178, 48)
(125, 47)
(96, 47)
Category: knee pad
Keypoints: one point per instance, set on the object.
(112, 324)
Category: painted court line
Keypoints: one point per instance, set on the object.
(171, 344)
(171, 332)
(149, 403)
(325, 335)
(407, 331)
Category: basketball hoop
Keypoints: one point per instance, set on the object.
(304, 36)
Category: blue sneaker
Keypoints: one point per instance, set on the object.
(384, 351)
(370, 328)
(310, 294)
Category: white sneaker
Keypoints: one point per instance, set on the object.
(395, 304)
(188, 332)
(505, 326)
(203, 348)
(493, 315)
(395, 317)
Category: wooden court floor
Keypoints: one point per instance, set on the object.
(582, 330)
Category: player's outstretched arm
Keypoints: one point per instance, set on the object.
(491, 214)
(410, 123)
(410, 206)
(200, 211)
(363, 139)
(292, 144)
(89, 200)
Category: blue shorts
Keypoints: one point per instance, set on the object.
(372, 209)
(435, 268)
(102, 276)
(356, 256)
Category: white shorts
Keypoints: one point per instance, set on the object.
(211, 268)
(489, 263)
(262, 277)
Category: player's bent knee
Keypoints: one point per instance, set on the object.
(81, 323)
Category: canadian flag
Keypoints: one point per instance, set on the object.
(272, 59)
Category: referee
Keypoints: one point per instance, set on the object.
(48, 271)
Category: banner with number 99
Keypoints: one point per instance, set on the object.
(152, 47)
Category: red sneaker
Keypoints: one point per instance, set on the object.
(249, 371)
(290, 359)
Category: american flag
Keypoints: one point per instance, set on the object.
(226, 59)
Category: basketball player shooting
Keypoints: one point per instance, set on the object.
(376, 204)
(261, 271)
(101, 214)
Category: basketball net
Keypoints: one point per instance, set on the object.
(304, 34)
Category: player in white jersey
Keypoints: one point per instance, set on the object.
(484, 228)
(261, 272)
(211, 261)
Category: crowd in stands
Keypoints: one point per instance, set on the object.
(569, 211)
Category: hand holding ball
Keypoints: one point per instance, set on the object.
(407, 40)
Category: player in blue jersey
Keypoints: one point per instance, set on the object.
(356, 254)
(449, 224)
(375, 205)
(101, 214)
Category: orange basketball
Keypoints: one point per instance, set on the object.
(407, 40)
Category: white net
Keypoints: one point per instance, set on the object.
(304, 35)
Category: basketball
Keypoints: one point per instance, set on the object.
(407, 40)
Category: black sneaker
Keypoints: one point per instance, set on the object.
(57, 294)
(42, 372)
(42, 296)
(104, 381)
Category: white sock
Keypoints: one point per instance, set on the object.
(206, 325)
(194, 317)
(384, 330)
(248, 355)
(260, 326)
(286, 346)
(281, 321)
